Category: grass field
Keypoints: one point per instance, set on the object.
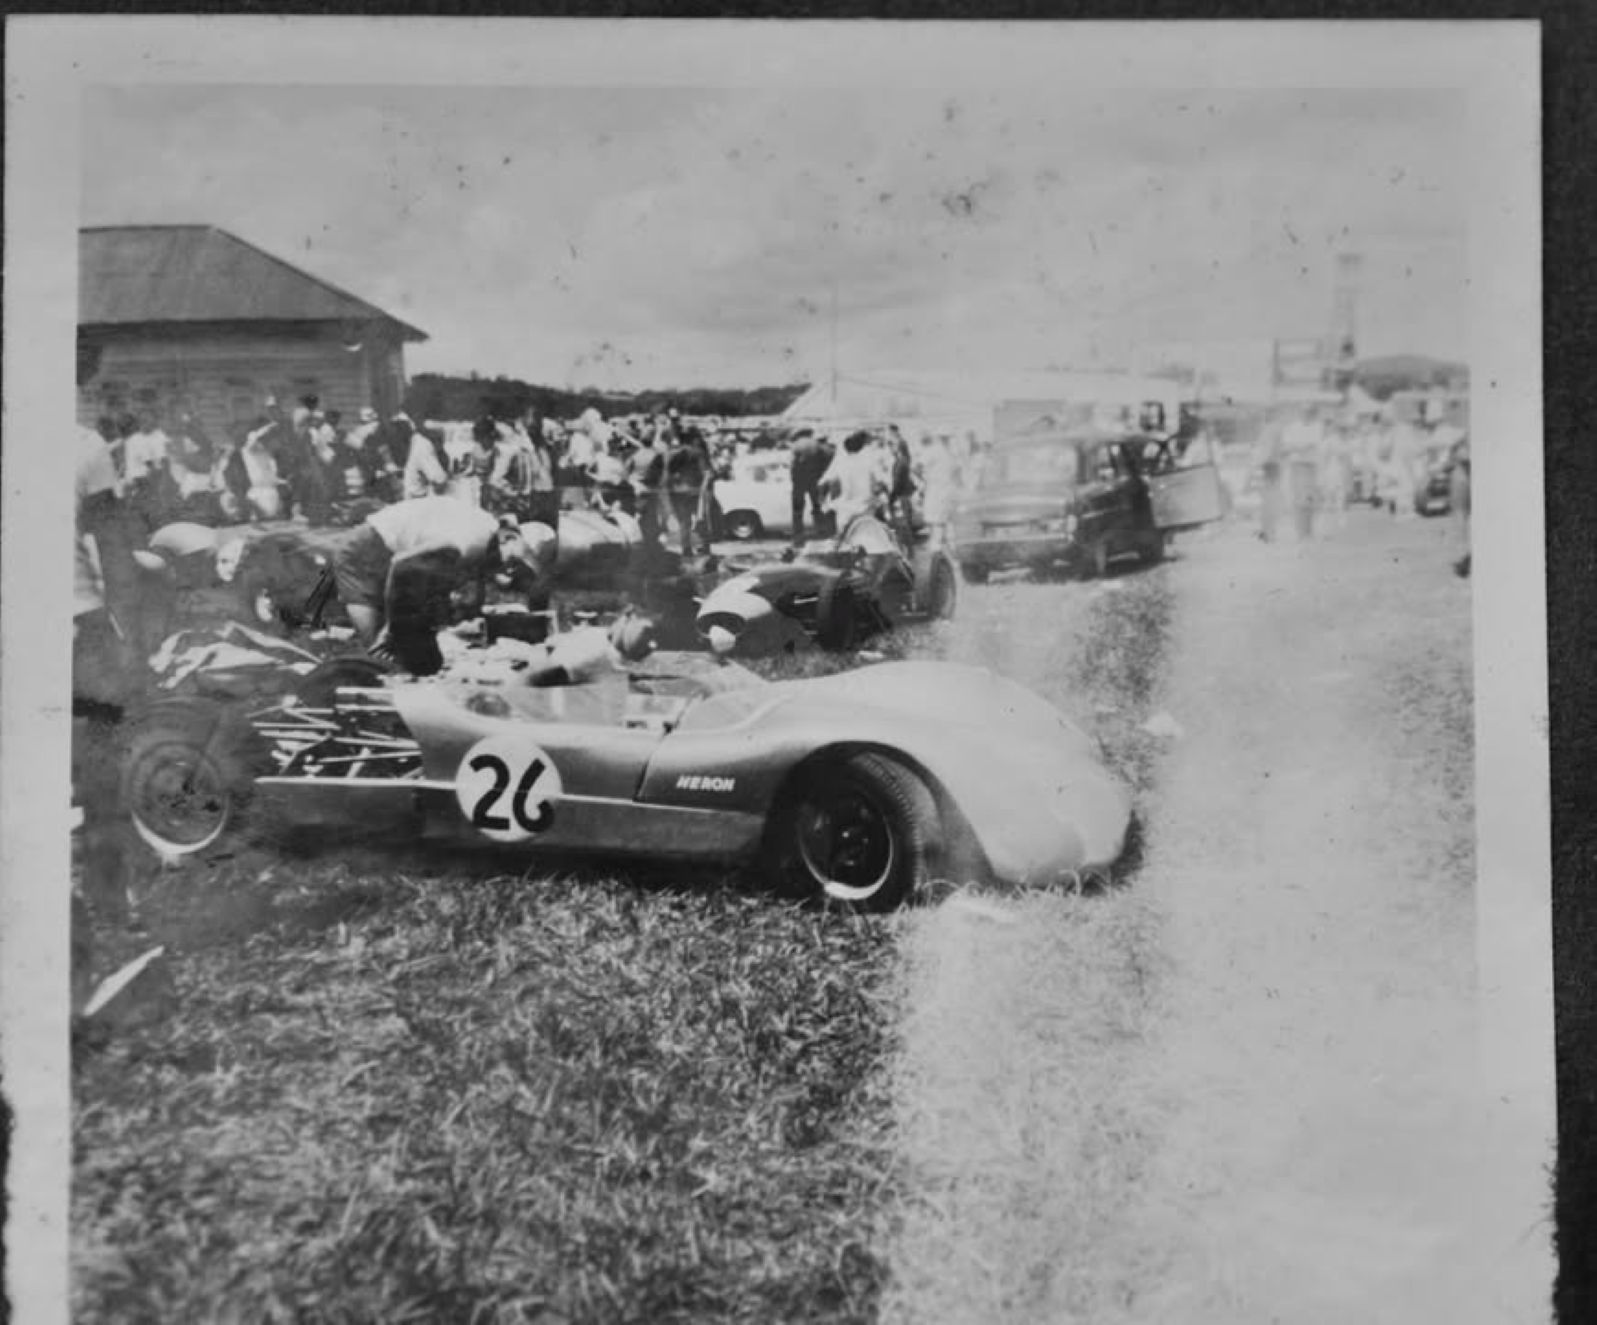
(418, 1087)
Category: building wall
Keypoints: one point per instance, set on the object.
(225, 378)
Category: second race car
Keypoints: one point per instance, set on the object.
(863, 582)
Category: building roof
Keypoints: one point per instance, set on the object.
(137, 274)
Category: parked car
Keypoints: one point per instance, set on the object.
(1433, 491)
(1079, 500)
(757, 500)
(838, 789)
(863, 582)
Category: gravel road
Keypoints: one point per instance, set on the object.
(1245, 1088)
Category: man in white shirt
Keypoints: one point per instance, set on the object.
(397, 570)
(853, 480)
(423, 474)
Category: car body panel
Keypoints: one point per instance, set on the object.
(1024, 793)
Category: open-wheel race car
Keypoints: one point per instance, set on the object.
(835, 789)
(863, 582)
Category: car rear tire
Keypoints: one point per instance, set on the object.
(836, 617)
(744, 526)
(975, 573)
(860, 833)
(942, 589)
(187, 777)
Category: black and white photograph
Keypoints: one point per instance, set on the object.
(729, 670)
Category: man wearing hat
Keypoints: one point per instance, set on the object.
(398, 570)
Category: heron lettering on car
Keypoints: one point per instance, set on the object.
(701, 782)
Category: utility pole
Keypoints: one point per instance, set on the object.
(834, 343)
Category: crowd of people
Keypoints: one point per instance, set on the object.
(305, 463)
(875, 472)
(1321, 461)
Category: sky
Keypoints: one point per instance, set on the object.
(630, 236)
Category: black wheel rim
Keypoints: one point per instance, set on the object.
(847, 844)
(180, 804)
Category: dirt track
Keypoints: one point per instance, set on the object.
(1253, 1097)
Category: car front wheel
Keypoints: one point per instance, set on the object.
(859, 833)
(186, 779)
(743, 526)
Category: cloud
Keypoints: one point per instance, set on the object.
(701, 231)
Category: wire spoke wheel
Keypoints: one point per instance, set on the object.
(179, 798)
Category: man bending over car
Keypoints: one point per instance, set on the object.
(397, 571)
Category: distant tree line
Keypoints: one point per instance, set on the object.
(1409, 372)
(444, 396)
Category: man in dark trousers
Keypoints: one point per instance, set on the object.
(687, 464)
(811, 456)
(108, 674)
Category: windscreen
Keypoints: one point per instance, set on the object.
(1043, 464)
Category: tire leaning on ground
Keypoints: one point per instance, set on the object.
(858, 832)
(187, 776)
(836, 617)
(743, 526)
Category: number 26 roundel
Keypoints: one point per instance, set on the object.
(507, 789)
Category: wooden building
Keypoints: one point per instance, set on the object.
(190, 316)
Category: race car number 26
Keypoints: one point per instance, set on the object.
(507, 789)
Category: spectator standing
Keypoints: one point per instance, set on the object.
(646, 474)
(1301, 442)
(901, 486)
(508, 488)
(1269, 459)
(423, 474)
(810, 458)
(582, 450)
(687, 464)
(853, 480)
(1458, 488)
(106, 676)
(191, 461)
(312, 494)
(1336, 473)
(610, 476)
(937, 484)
